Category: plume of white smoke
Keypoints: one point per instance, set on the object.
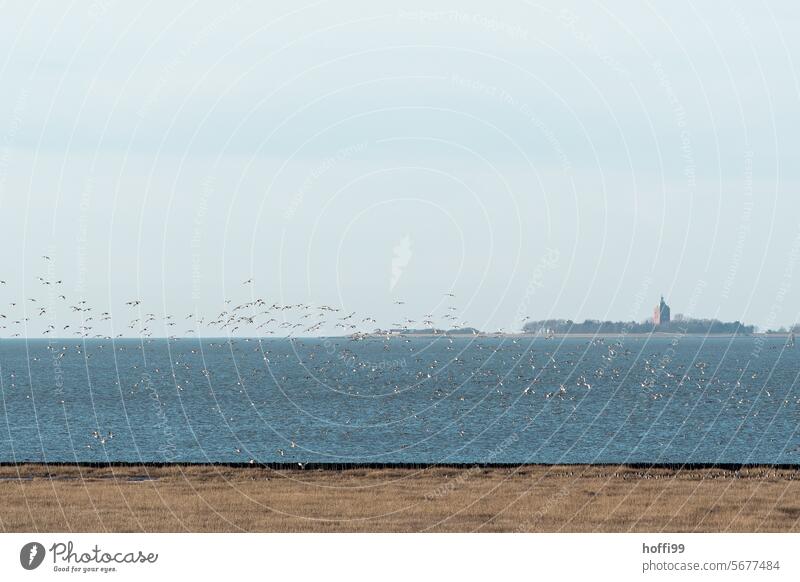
(400, 260)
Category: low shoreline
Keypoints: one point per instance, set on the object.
(455, 498)
(348, 466)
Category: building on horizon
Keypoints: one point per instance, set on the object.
(661, 313)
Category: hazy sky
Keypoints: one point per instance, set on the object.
(541, 159)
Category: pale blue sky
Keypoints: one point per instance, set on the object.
(168, 151)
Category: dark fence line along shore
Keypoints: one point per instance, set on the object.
(315, 466)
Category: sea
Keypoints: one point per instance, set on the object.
(477, 399)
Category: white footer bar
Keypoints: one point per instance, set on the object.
(406, 557)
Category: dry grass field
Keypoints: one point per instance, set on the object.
(528, 498)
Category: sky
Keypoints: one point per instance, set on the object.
(538, 159)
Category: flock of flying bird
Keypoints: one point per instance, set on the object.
(504, 369)
(256, 317)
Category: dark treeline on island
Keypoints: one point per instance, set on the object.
(678, 326)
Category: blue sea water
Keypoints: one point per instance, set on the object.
(378, 400)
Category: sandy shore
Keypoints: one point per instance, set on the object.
(529, 498)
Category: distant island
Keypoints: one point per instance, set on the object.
(661, 322)
(435, 331)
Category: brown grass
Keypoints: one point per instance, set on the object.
(551, 499)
